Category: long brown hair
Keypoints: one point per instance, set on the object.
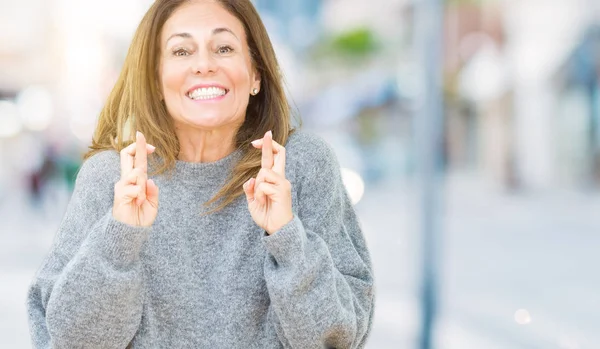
(135, 104)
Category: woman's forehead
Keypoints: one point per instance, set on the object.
(202, 18)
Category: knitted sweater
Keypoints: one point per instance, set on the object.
(206, 281)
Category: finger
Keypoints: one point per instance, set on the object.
(141, 158)
(132, 192)
(127, 155)
(263, 190)
(141, 198)
(279, 162)
(249, 189)
(135, 176)
(131, 149)
(126, 161)
(138, 177)
(259, 143)
(142, 182)
(270, 176)
(267, 151)
(152, 192)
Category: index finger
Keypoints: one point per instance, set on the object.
(127, 154)
(259, 143)
(279, 161)
(267, 151)
(141, 158)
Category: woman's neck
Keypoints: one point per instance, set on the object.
(205, 146)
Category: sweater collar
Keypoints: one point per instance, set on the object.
(207, 172)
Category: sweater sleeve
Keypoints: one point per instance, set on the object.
(87, 293)
(318, 270)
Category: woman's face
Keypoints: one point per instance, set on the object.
(206, 73)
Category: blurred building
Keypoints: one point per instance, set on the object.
(577, 117)
(479, 118)
(504, 99)
(296, 22)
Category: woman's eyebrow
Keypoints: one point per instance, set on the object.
(214, 32)
(181, 35)
(224, 30)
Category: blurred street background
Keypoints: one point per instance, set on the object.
(518, 238)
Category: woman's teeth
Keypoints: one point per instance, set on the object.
(206, 93)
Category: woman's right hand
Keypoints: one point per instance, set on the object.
(136, 196)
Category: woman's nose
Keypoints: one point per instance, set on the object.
(204, 64)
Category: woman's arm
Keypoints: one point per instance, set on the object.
(318, 269)
(87, 293)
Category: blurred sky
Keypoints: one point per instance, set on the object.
(520, 147)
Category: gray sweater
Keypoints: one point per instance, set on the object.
(206, 281)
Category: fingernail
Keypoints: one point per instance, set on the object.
(151, 146)
(256, 142)
(137, 134)
(270, 133)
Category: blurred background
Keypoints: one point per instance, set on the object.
(515, 250)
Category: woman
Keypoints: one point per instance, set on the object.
(205, 232)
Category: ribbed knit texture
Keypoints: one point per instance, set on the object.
(206, 281)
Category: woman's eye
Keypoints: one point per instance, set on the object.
(181, 52)
(224, 49)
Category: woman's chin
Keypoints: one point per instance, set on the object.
(207, 122)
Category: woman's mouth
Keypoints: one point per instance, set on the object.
(205, 93)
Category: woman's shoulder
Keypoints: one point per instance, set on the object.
(308, 146)
(307, 152)
(103, 165)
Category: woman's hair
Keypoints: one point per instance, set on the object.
(135, 101)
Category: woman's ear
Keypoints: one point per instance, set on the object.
(256, 82)
(255, 86)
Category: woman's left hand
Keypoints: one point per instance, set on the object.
(270, 194)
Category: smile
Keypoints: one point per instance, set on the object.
(204, 93)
